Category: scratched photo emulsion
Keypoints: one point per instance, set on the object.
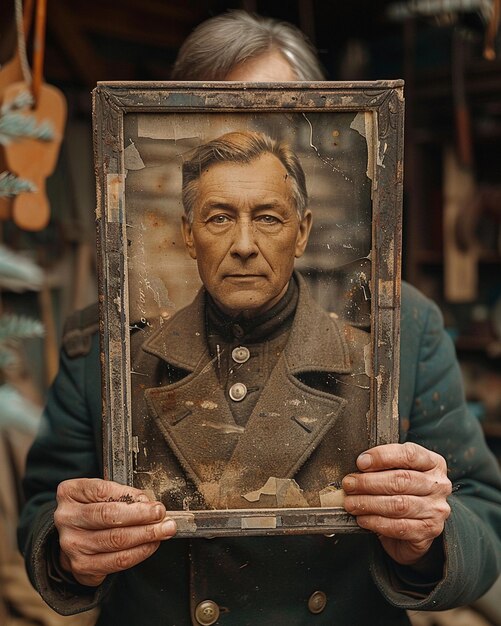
(249, 242)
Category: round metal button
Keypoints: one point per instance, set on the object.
(240, 354)
(207, 613)
(238, 391)
(317, 602)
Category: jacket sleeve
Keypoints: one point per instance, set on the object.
(67, 446)
(434, 411)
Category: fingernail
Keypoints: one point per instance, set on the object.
(364, 461)
(349, 483)
(168, 527)
(159, 511)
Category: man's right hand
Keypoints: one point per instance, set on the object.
(105, 527)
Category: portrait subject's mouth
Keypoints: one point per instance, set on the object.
(244, 276)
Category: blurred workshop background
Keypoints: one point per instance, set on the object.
(51, 56)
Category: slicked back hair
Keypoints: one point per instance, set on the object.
(241, 147)
(221, 43)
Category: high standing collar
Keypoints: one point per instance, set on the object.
(257, 329)
(316, 340)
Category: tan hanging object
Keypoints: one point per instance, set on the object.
(12, 71)
(35, 159)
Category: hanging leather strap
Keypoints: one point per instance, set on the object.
(38, 49)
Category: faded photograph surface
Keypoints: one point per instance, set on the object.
(249, 269)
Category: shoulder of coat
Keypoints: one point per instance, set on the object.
(79, 329)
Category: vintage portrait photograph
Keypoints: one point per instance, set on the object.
(249, 264)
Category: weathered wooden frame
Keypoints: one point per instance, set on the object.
(383, 101)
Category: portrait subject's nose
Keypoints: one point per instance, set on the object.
(244, 241)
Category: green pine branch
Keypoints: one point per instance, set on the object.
(11, 185)
(15, 327)
(14, 125)
(18, 126)
(23, 100)
(19, 327)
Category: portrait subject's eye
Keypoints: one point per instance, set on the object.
(270, 220)
(219, 219)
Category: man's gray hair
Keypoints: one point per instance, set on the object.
(221, 43)
(241, 147)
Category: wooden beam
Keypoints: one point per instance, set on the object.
(307, 19)
(460, 266)
(136, 27)
(158, 8)
(80, 54)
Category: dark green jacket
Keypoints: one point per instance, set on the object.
(269, 580)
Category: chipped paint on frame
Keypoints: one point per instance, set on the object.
(115, 197)
(376, 110)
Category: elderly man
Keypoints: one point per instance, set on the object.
(232, 369)
(418, 557)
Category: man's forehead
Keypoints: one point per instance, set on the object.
(263, 181)
(265, 168)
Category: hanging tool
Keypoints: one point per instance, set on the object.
(492, 30)
(35, 159)
(12, 72)
(460, 263)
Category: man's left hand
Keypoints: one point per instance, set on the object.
(401, 495)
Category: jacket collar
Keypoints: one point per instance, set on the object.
(316, 342)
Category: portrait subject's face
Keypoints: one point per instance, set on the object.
(246, 234)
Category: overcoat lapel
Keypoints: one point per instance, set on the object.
(195, 419)
(192, 414)
(288, 422)
(290, 419)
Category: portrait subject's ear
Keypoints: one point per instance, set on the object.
(303, 234)
(188, 237)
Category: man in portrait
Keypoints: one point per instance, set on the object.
(260, 396)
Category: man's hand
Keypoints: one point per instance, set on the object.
(400, 495)
(105, 527)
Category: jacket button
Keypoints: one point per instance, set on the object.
(317, 602)
(240, 354)
(237, 392)
(207, 613)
